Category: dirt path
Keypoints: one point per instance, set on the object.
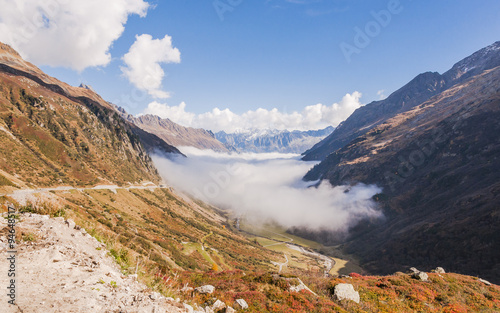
(24, 196)
(328, 262)
(62, 269)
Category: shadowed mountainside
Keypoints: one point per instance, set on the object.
(438, 166)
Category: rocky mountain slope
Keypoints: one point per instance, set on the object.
(438, 166)
(53, 133)
(420, 89)
(175, 134)
(61, 268)
(259, 141)
(67, 270)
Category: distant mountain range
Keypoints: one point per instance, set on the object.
(434, 147)
(259, 141)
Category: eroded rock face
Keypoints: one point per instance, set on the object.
(346, 292)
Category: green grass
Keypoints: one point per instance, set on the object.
(278, 233)
(191, 247)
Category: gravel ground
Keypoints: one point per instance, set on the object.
(66, 270)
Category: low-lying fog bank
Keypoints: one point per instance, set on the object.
(267, 186)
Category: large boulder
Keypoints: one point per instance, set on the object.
(218, 306)
(346, 292)
(240, 304)
(422, 276)
(207, 289)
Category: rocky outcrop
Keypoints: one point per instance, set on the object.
(207, 289)
(346, 292)
(240, 304)
(422, 276)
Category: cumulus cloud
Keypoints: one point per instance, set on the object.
(143, 61)
(268, 186)
(73, 34)
(311, 117)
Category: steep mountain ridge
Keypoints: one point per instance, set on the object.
(175, 134)
(420, 89)
(259, 141)
(438, 166)
(54, 133)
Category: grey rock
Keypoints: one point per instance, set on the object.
(207, 289)
(346, 292)
(439, 270)
(413, 270)
(485, 282)
(218, 305)
(240, 304)
(422, 276)
(230, 310)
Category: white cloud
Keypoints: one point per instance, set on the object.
(73, 34)
(143, 61)
(268, 186)
(312, 117)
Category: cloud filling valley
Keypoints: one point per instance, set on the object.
(267, 187)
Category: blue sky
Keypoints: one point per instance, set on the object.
(286, 54)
